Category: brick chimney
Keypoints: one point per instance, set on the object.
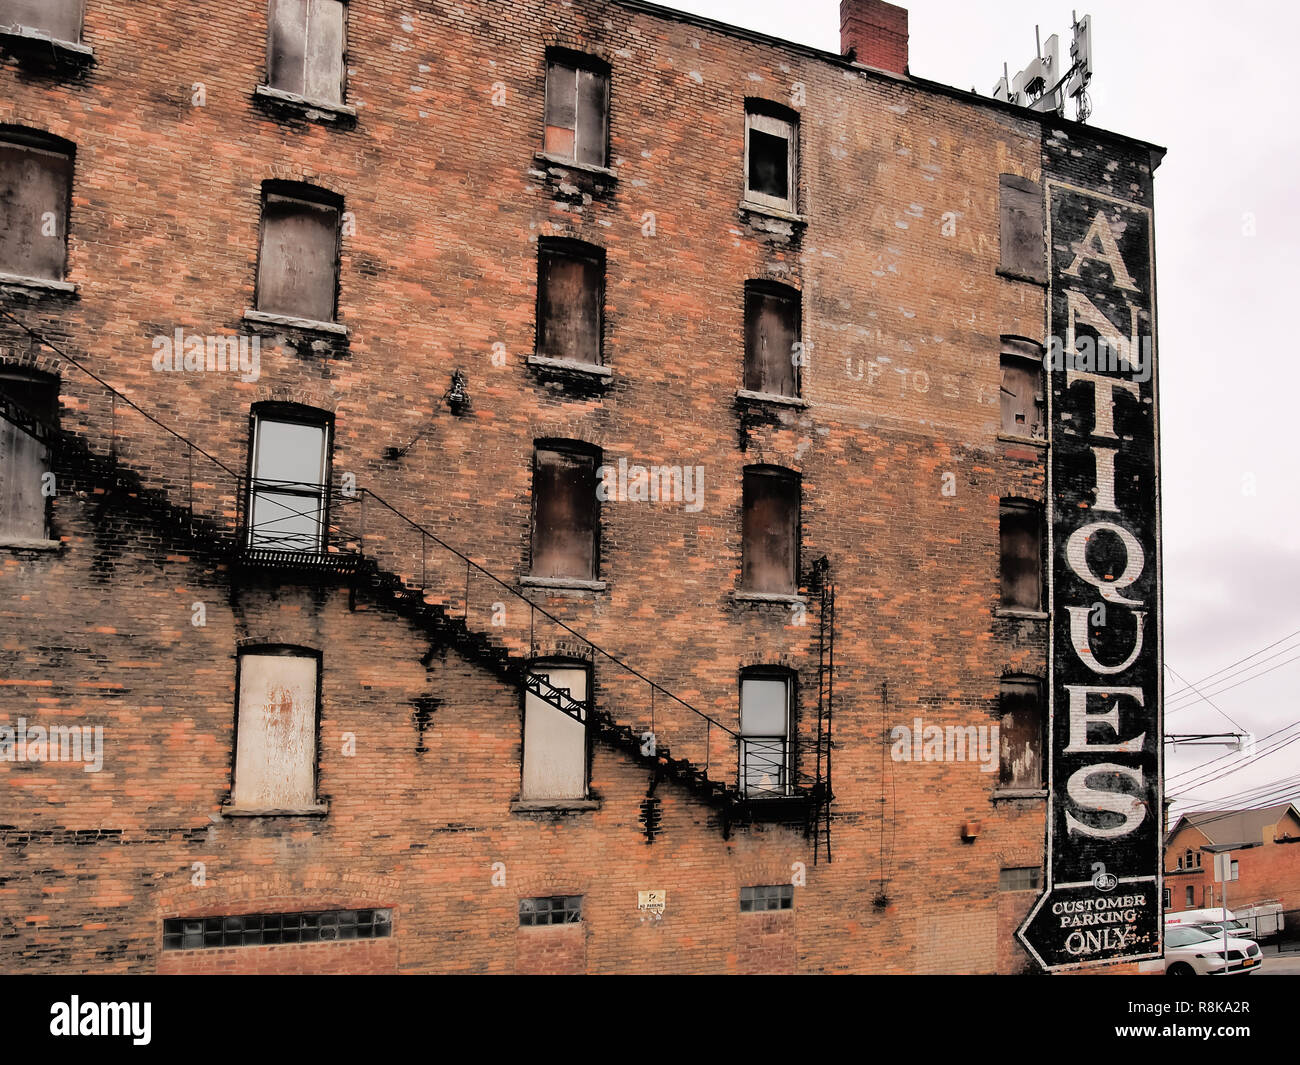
(875, 33)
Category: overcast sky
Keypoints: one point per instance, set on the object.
(1212, 83)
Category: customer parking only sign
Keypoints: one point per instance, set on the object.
(1101, 903)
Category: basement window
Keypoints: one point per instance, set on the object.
(565, 513)
(305, 48)
(555, 742)
(298, 266)
(1022, 878)
(770, 531)
(35, 190)
(1024, 245)
(767, 897)
(60, 20)
(275, 735)
(771, 155)
(275, 929)
(1022, 730)
(570, 301)
(287, 496)
(765, 732)
(1021, 528)
(558, 909)
(1023, 389)
(772, 334)
(24, 459)
(577, 110)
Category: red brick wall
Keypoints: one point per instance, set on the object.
(448, 204)
(1265, 873)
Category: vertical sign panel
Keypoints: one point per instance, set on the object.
(1102, 900)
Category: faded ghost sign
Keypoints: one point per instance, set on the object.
(1102, 902)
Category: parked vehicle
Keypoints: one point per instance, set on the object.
(1262, 919)
(1191, 952)
(1213, 915)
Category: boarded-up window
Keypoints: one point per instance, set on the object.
(765, 733)
(770, 550)
(60, 19)
(287, 495)
(298, 266)
(1022, 555)
(1024, 247)
(305, 48)
(564, 513)
(570, 301)
(35, 185)
(24, 459)
(772, 331)
(771, 157)
(275, 756)
(577, 112)
(1022, 391)
(1021, 733)
(555, 743)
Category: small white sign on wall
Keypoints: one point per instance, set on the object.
(651, 901)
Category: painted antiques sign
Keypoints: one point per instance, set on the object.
(1102, 898)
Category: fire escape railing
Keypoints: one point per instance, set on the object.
(339, 529)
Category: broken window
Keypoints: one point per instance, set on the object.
(557, 909)
(565, 513)
(35, 189)
(770, 533)
(771, 155)
(305, 48)
(765, 732)
(274, 929)
(32, 399)
(287, 495)
(298, 266)
(555, 742)
(772, 331)
(1020, 878)
(1022, 555)
(1023, 393)
(275, 738)
(570, 301)
(577, 111)
(1024, 246)
(59, 19)
(1021, 733)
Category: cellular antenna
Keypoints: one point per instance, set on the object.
(1046, 84)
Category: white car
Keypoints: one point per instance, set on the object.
(1191, 952)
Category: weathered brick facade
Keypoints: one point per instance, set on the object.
(896, 257)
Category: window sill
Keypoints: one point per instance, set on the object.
(1029, 441)
(331, 112)
(541, 806)
(40, 284)
(564, 367)
(543, 159)
(774, 398)
(307, 325)
(1023, 615)
(28, 38)
(20, 543)
(319, 810)
(1030, 279)
(563, 584)
(750, 207)
(1018, 793)
(768, 597)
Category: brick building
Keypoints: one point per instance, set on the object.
(1266, 858)
(411, 513)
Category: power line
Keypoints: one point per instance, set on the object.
(1183, 691)
(1202, 695)
(1219, 691)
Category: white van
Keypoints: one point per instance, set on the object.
(1214, 915)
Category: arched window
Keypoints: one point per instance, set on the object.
(566, 513)
(770, 548)
(555, 740)
(773, 344)
(35, 193)
(287, 495)
(298, 262)
(766, 730)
